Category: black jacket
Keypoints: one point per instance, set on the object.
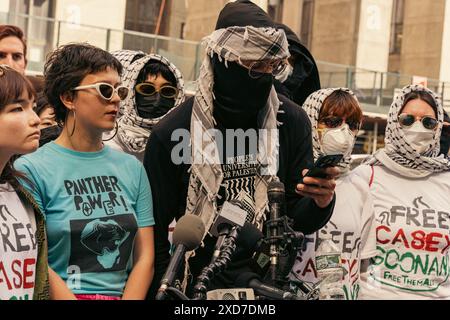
(169, 182)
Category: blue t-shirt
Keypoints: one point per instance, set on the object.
(94, 203)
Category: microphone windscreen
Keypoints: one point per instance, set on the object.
(243, 280)
(248, 237)
(189, 231)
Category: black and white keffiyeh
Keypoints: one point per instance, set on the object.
(312, 107)
(233, 44)
(398, 155)
(133, 131)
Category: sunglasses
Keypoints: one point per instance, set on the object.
(335, 122)
(407, 120)
(148, 89)
(106, 90)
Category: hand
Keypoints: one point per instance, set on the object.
(320, 189)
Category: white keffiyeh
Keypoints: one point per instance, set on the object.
(398, 155)
(232, 44)
(133, 131)
(312, 106)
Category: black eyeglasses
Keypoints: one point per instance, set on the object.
(149, 89)
(106, 90)
(407, 120)
(335, 122)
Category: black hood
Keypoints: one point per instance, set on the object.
(305, 78)
(243, 13)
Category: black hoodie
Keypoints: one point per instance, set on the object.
(305, 77)
(170, 181)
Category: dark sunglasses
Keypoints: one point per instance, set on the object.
(106, 90)
(407, 120)
(335, 122)
(148, 89)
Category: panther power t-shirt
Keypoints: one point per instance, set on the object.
(94, 203)
(412, 218)
(18, 247)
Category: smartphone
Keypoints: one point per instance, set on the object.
(317, 171)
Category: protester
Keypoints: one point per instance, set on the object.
(410, 184)
(22, 224)
(301, 77)
(50, 130)
(336, 117)
(13, 47)
(156, 87)
(97, 201)
(235, 91)
(445, 136)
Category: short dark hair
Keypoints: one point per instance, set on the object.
(7, 30)
(155, 68)
(12, 85)
(67, 66)
(342, 104)
(421, 95)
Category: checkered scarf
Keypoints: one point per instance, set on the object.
(399, 155)
(232, 44)
(312, 106)
(134, 131)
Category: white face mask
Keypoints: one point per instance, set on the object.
(418, 137)
(338, 140)
(282, 77)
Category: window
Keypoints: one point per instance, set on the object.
(397, 27)
(307, 23)
(142, 16)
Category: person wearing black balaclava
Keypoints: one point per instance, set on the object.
(301, 77)
(445, 136)
(50, 130)
(156, 87)
(235, 91)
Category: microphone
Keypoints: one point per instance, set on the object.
(275, 194)
(231, 215)
(187, 236)
(252, 280)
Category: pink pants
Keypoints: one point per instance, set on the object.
(95, 297)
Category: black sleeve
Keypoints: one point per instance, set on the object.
(164, 183)
(308, 217)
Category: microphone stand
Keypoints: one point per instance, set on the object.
(218, 265)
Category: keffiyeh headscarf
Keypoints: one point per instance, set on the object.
(312, 106)
(134, 131)
(232, 44)
(398, 155)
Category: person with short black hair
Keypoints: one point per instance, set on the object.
(99, 215)
(156, 87)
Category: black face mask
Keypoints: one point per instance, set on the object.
(49, 134)
(239, 97)
(155, 106)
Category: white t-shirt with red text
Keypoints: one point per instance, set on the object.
(18, 247)
(412, 218)
(351, 228)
